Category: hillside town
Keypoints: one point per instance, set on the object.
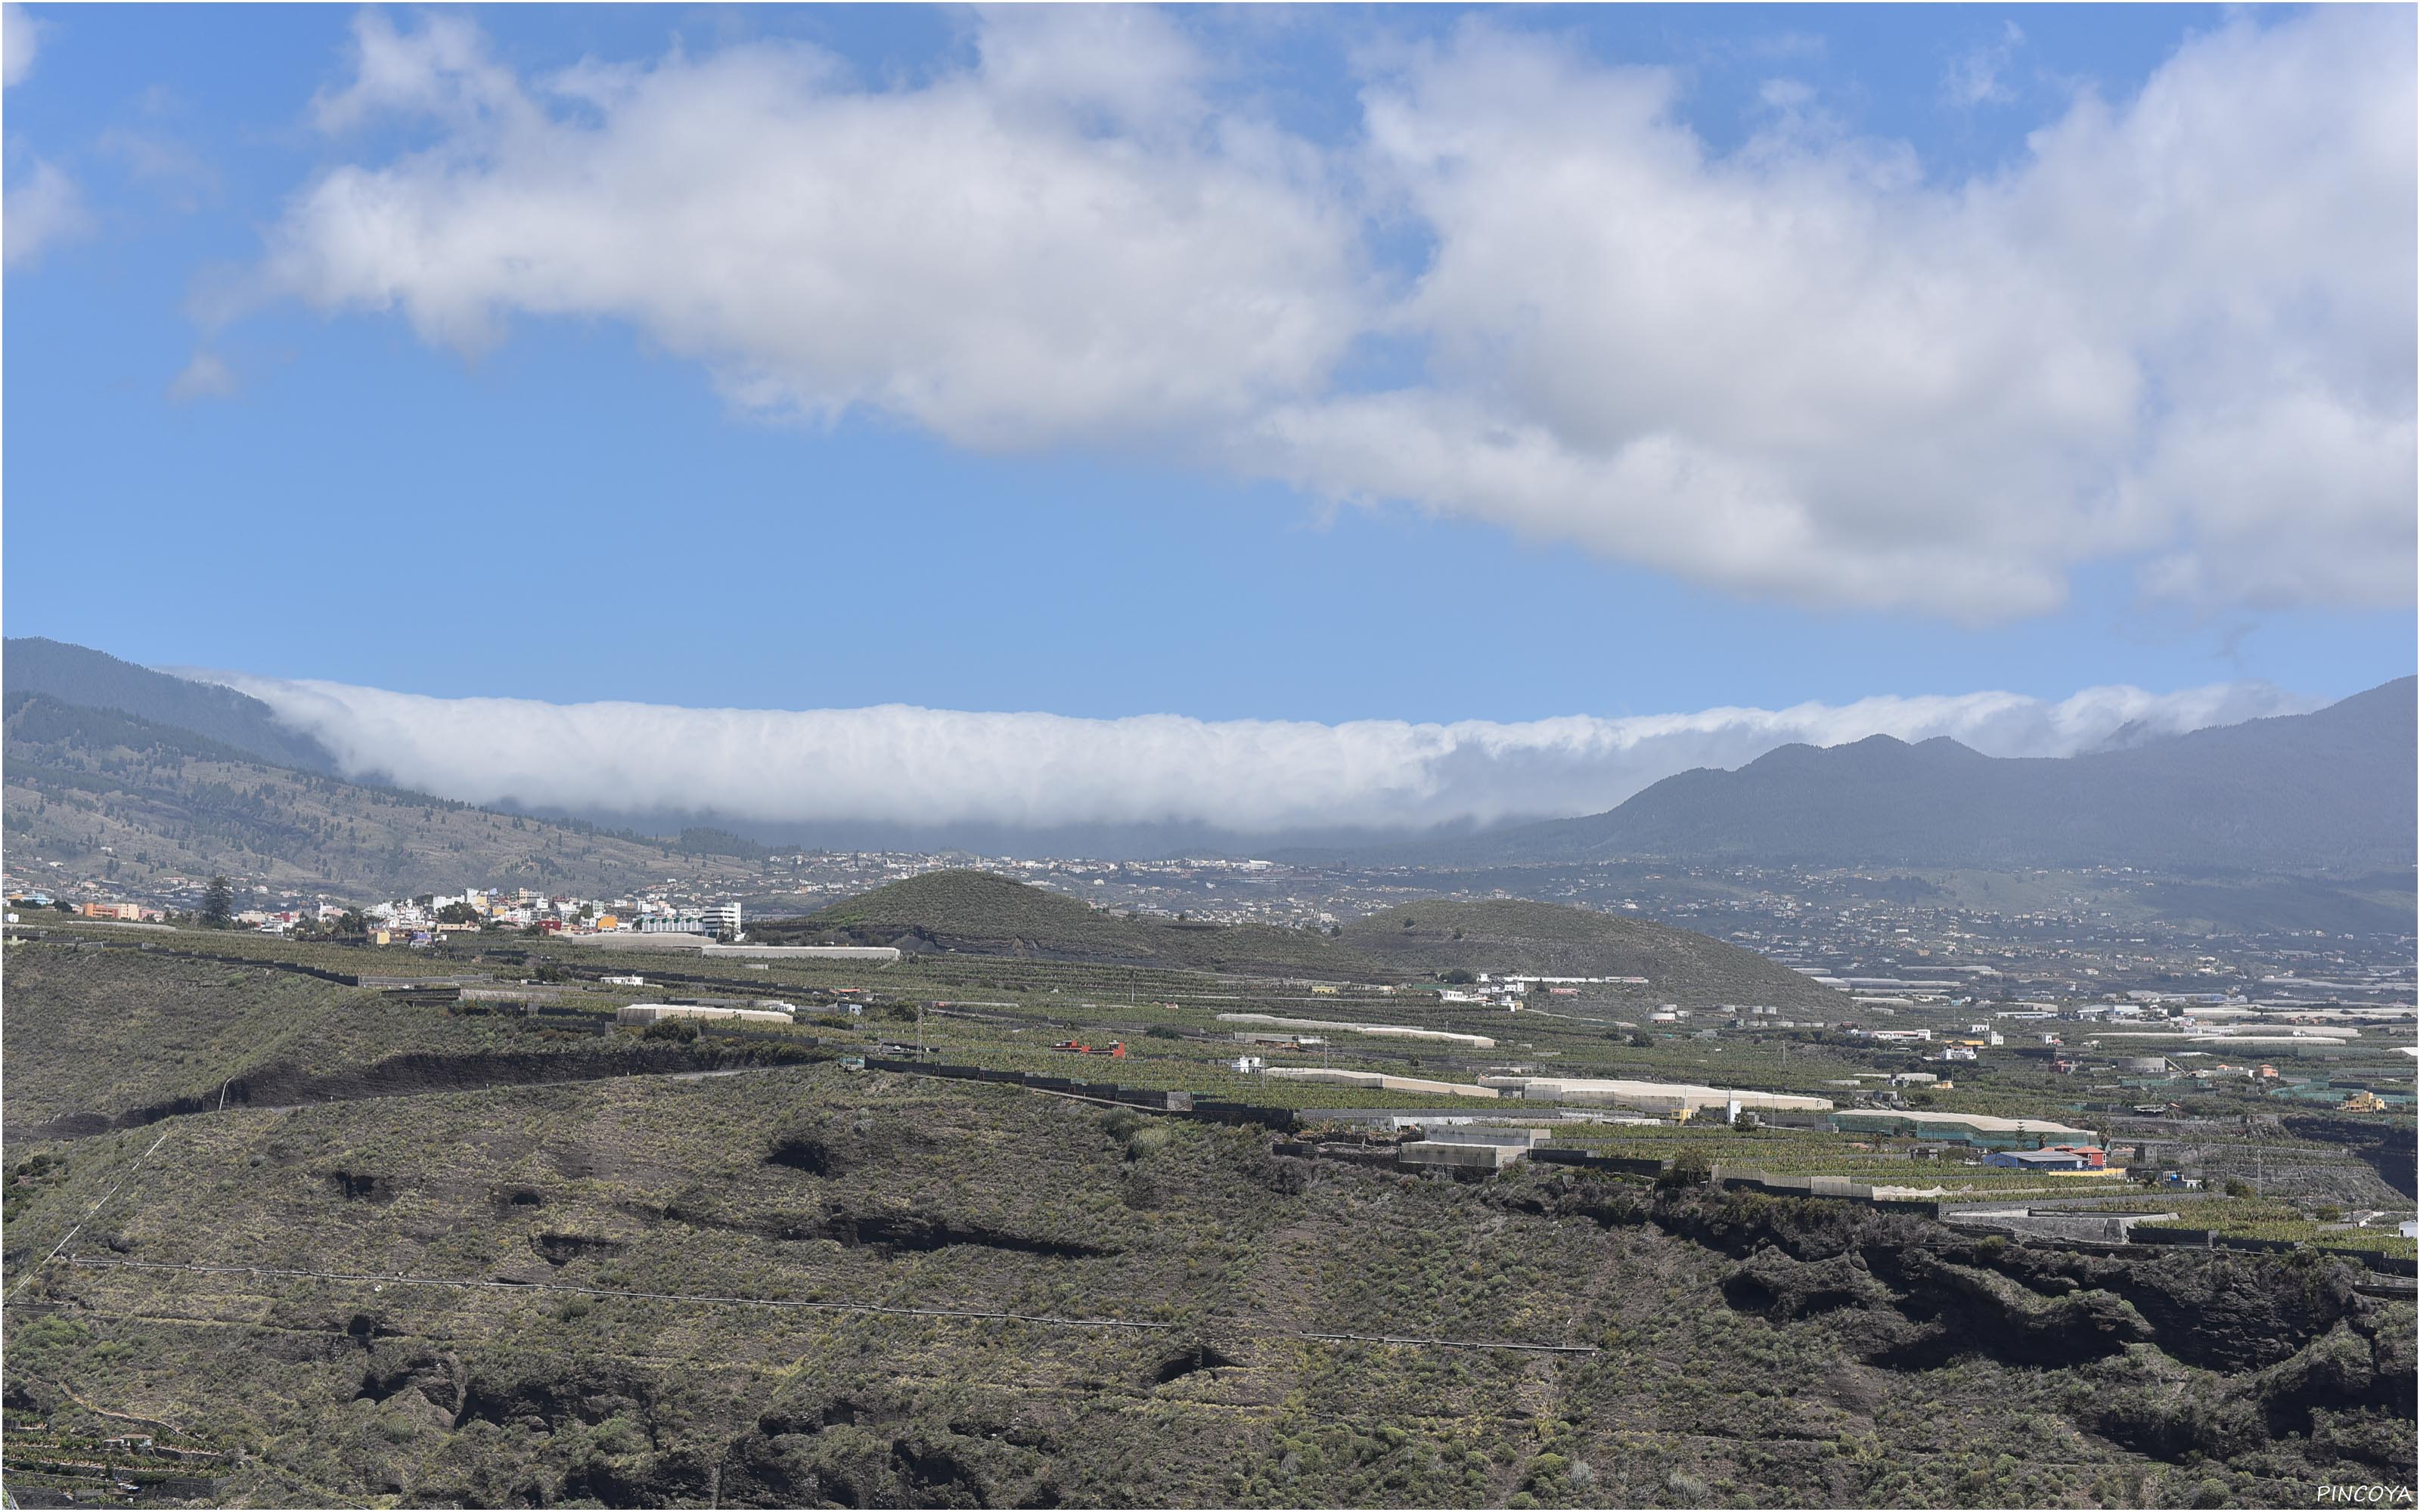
(427, 917)
(1889, 941)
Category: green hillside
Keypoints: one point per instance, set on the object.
(988, 913)
(133, 803)
(1514, 935)
(980, 911)
(114, 1030)
(110, 1033)
(976, 907)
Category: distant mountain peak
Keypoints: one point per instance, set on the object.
(2331, 790)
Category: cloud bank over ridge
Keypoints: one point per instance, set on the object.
(901, 765)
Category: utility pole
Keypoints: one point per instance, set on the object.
(920, 1031)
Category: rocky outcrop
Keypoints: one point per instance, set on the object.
(546, 1391)
(895, 1231)
(870, 1452)
(1933, 1292)
(1969, 1309)
(917, 1232)
(1773, 1282)
(414, 1374)
(561, 1249)
(2349, 1393)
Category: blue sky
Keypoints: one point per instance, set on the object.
(581, 509)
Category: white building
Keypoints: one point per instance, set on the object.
(1649, 1097)
(646, 1013)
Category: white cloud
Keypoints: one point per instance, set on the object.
(205, 378)
(1976, 76)
(44, 209)
(2177, 333)
(1803, 371)
(902, 765)
(19, 41)
(1057, 243)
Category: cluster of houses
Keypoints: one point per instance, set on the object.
(416, 920)
(421, 919)
(33, 898)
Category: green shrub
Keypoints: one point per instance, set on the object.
(1690, 1166)
(48, 1333)
(618, 1435)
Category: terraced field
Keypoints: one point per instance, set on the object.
(432, 1253)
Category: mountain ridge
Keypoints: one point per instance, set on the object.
(147, 802)
(2325, 791)
(96, 680)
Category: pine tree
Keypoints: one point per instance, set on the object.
(218, 903)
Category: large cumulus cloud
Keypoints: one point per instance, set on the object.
(902, 765)
(2176, 331)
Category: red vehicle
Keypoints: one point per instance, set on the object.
(1116, 1048)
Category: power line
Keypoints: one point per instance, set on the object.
(958, 1314)
(693, 1297)
(88, 1215)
